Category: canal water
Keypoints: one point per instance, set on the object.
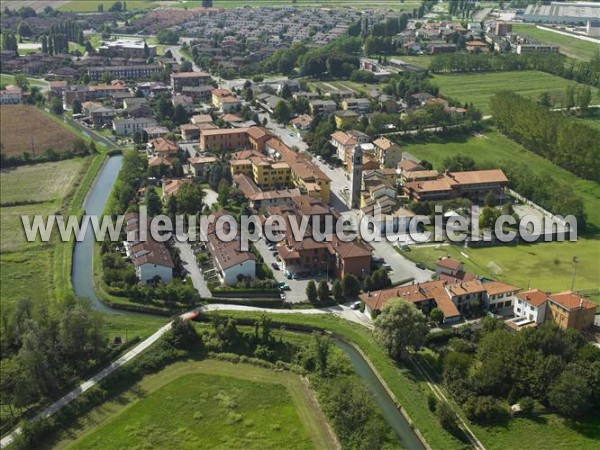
(83, 254)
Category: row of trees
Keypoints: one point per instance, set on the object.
(569, 144)
(587, 72)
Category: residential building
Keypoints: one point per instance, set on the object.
(224, 139)
(453, 298)
(266, 172)
(152, 259)
(358, 105)
(571, 310)
(531, 305)
(387, 152)
(225, 100)
(474, 185)
(11, 95)
(345, 118)
(231, 262)
(323, 107)
(138, 71)
(127, 49)
(258, 198)
(503, 28)
(181, 79)
(170, 186)
(331, 256)
(198, 164)
(127, 127)
(163, 147)
(305, 175)
(342, 142)
(183, 100)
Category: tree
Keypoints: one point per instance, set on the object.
(446, 416)
(399, 326)
(153, 202)
(459, 163)
(185, 66)
(490, 200)
(570, 394)
(24, 30)
(488, 217)
(311, 291)
(76, 106)
(21, 81)
(337, 290)
(189, 199)
(56, 106)
(183, 335)
(323, 291)
(180, 115)
(436, 315)
(282, 112)
(223, 193)
(350, 286)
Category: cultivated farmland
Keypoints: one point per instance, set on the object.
(479, 88)
(207, 404)
(27, 129)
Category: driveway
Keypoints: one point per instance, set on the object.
(188, 259)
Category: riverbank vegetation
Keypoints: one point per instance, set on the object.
(278, 357)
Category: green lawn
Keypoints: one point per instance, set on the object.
(546, 265)
(495, 149)
(206, 404)
(6, 79)
(479, 88)
(420, 61)
(570, 46)
(25, 274)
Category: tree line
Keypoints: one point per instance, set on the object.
(569, 144)
(587, 72)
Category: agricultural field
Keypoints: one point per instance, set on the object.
(479, 88)
(27, 129)
(206, 404)
(92, 5)
(27, 267)
(570, 46)
(6, 79)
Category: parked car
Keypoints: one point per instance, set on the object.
(275, 266)
(387, 267)
(284, 287)
(355, 305)
(288, 275)
(421, 266)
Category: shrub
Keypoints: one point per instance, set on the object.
(485, 409)
(527, 404)
(447, 417)
(431, 402)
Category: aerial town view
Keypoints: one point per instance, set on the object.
(300, 224)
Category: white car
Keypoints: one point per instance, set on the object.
(355, 305)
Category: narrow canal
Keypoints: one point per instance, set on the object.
(83, 285)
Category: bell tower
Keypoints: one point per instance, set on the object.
(357, 170)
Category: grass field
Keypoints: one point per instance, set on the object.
(546, 265)
(25, 128)
(479, 88)
(92, 5)
(592, 118)
(570, 46)
(495, 149)
(27, 267)
(206, 404)
(6, 79)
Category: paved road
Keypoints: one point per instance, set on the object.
(188, 259)
(344, 311)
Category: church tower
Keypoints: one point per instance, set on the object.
(357, 170)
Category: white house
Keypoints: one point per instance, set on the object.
(152, 260)
(230, 261)
(531, 305)
(11, 95)
(127, 127)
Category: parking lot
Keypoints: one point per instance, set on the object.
(297, 292)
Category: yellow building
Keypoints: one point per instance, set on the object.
(345, 119)
(267, 173)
